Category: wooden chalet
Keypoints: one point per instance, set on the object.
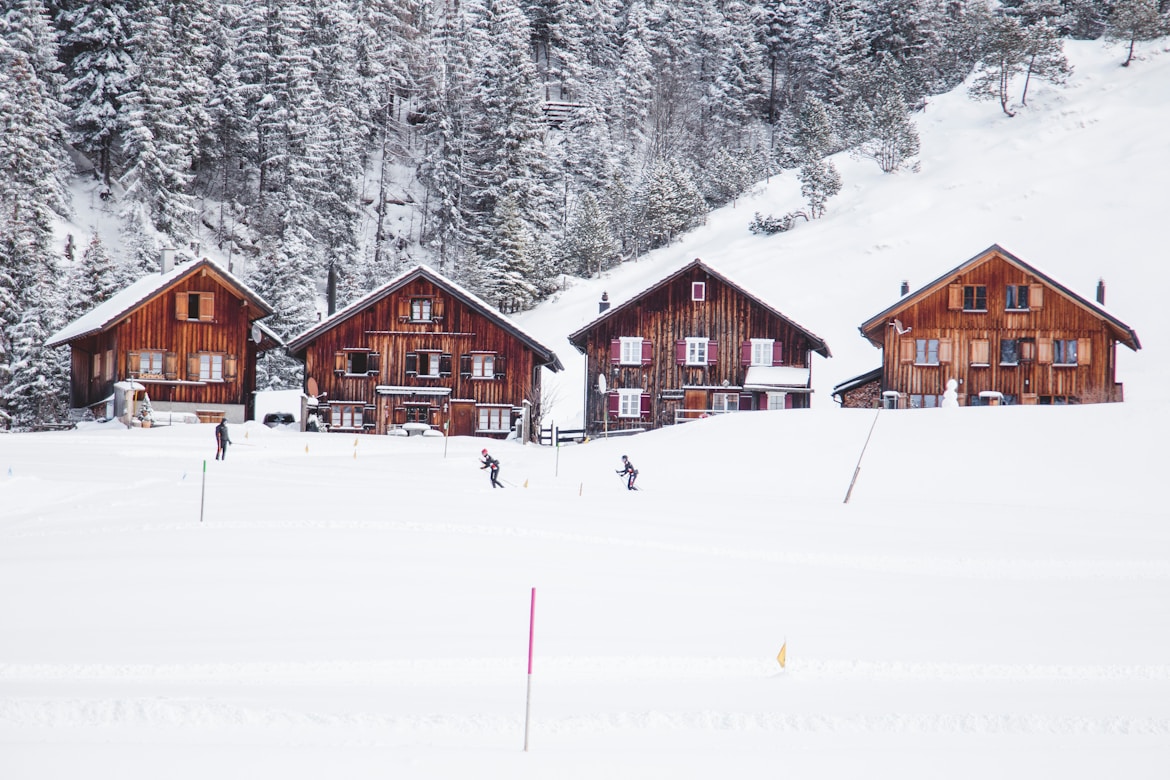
(189, 335)
(693, 345)
(423, 353)
(1007, 333)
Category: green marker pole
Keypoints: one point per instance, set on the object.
(203, 490)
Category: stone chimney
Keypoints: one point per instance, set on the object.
(166, 259)
(1101, 291)
(905, 288)
(603, 304)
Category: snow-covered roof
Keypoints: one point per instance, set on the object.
(772, 377)
(301, 341)
(105, 314)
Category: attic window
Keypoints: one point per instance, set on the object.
(698, 291)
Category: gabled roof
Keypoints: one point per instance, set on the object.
(106, 315)
(1122, 332)
(545, 356)
(818, 344)
(858, 381)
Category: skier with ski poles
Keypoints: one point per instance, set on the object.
(491, 463)
(628, 471)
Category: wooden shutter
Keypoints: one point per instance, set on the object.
(745, 353)
(945, 351)
(614, 404)
(1035, 296)
(644, 407)
(339, 363)
(907, 350)
(615, 351)
(712, 352)
(192, 366)
(133, 364)
(437, 308)
(374, 363)
(230, 367)
(745, 401)
(777, 353)
(647, 352)
(171, 365)
(1084, 351)
(206, 307)
(180, 306)
(1043, 350)
(954, 296)
(465, 366)
(980, 351)
(680, 352)
(412, 364)
(445, 364)
(498, 366)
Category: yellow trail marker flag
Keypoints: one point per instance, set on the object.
(355, 454)
(782, 656)
(306, 449)
(525, 483)
(355, 441)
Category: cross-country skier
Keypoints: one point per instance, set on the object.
(629, 470)
(221, 440)
(491, 463)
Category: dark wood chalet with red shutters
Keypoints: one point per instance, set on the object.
(1005, 332)
(693, 345)
(189, 335)
(421, 353)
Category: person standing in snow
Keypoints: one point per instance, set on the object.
(221, 440)
(629, 471)
(491, 463)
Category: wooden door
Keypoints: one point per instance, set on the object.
(696, 403)
(462, 418)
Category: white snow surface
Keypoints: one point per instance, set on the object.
(991, 602)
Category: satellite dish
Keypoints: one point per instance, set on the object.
(311, 386)
(898, 327)
(256, 334)
(601, 383)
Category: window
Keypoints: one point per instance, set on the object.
(109, 365)
(428, 363)
(629, 403)
(1058, 400)
(923, 401)
(195, 306)
(926, 352)
(150, 364)
(420, 309)
(696, 352)
(1027, 350)
(347, 415)
(1064, 352)
(483, 366)
(210, 367)
(97, 366)
(975, 297)
(356, 362)
(418, 413)
(494, 419)
(776, 400)
(631, 351)
(1016, 297)
(698, 291)
(762, 352)
(1009, 352)
(725, 402)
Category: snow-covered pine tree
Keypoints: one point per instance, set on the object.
(95, 279)
(1003, 55)
(670, 203)
(589, 246)
(37, 387)
(283, 278)
(1130, 21)
(888, 135)
(819, 181)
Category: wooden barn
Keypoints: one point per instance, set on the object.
(1005, 332)
(693, 345)
(421, 353)
(189, 335)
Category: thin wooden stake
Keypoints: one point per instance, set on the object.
(857, 468)
(203, 490)
(528, 699)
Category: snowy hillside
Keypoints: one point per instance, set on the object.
(1075, 185)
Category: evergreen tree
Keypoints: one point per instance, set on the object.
(37, 386)
(96, 278)
(1004, 55)
(887, 133)
(589, 245)
(282, 277)
(819, 181)
(1131, 21)
(670, 203)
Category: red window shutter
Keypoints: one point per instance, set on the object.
(745, 353)
(745, 401)
(614, 403)
(680, 352)
(647, 352)
(777, 353)
(615, 351)
(712, 352)
(644, 411)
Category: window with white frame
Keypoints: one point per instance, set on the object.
(428, 363)
(483, 366)
(926, 352)
(631, 351)
(725, 402)
(698, 291)
(762, 351)
(210, 367)
(776, 401)
(696, 352)
(150, 364)
(347, 415)
(420, 309)
(629, 403)
(494, 419)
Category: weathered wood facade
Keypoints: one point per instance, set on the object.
(187, 335)
(692, 345)
(1006, 333)
(421, 352)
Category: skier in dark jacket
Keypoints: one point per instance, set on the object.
(630, 472)
(221, 440)
(491, 463)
